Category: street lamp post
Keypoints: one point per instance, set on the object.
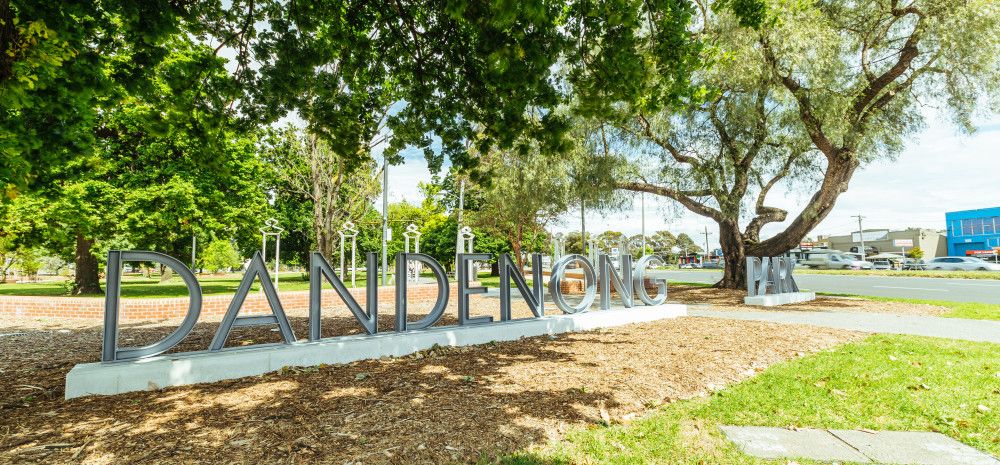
(385, 222)
(271, 228)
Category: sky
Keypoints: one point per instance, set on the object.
(939, 171)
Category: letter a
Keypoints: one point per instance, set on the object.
(278, 317)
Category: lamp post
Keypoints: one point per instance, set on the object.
(349, 231)
(385, 222)
(412, 268)
(271, 228)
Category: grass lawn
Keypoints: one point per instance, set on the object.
(881, 383)
(892, 273)
(969, 310)
(138, 287)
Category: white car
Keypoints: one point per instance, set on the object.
(857, 262)
(961, 264)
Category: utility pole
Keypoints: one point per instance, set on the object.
(861, 235)
(583, 227)
(706, 244)
(385, 222)
(194, 248)
(642, 200)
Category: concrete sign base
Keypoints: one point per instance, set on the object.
(772, 300)
(204, 367)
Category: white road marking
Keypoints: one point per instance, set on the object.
(974, 284)
(912, 288)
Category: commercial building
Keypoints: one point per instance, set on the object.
(931, 241)
(973, 232)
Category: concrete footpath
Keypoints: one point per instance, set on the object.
(931, 326)
(856, 446)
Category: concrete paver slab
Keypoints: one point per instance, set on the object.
(777, 443)
(917, 448)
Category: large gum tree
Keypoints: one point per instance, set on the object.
(799, 96)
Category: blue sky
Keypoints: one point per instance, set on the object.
(939, 171)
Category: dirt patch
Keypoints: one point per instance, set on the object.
(730, 299)
(440, 406)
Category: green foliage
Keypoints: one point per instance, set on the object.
(916, 253)
(60, 66)
(221, 255)
(29, 262)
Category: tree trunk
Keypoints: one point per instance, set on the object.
(88, 279)
(734, 255)
(515, 244)
(166, 273)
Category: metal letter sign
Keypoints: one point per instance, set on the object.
(111, 351)
(624, 282)
(770, 275)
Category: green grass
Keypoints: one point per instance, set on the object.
(139, 287)
(969, 310)
(894, 273)
(881, 383)
(133, 286)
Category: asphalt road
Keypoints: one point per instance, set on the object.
(955, 290)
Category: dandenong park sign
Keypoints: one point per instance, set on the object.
(136, 368)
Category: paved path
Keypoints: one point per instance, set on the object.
(955, 290)
(951, 328)
(886, 447)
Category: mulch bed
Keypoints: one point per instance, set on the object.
(730, 299)
(440, 406)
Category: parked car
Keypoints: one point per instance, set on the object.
(911, 264)
(858, 262)
(881, 264)
(826, 261)
(713, 265)
(961, 264)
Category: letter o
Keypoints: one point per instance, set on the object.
(590, 284)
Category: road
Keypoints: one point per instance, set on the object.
(955, 290)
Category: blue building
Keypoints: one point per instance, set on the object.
(973, 232)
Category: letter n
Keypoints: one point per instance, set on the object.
(320, 268)
(535, 298)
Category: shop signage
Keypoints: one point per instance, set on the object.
(870, 236)
(902, 242)
(627, 280)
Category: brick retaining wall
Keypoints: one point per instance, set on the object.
(211, 305)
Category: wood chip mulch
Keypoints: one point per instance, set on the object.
(449, 405)
(730, 300)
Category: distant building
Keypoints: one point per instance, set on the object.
(973, 232)
(931, 241)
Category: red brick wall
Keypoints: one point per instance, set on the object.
(175, 307)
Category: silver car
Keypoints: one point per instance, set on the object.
(961, 264)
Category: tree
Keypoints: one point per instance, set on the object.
(524, 194)
(814, 87)
(61, 65)
(221, 255)
(916, 253)
(685, 243)
(169, 165)
(307, 167)
(29, 261)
